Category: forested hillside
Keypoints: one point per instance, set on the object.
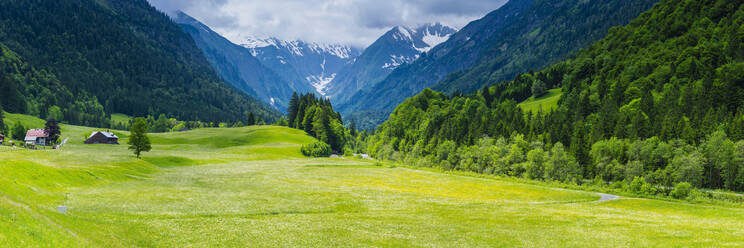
(659, 101)
(24, 89)
(522, 35)
(549, 32)
(93, 58)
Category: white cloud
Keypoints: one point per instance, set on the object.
(356, 22)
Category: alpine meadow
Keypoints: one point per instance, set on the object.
(485, 123)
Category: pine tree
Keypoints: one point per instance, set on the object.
(486, 92)
(138, 140)
(297, 123)
(53, 130)
(307, 121)
(251, 119)
(353, 128)
(539, 89)
(160, 125)
(321, 127)
(293, 108)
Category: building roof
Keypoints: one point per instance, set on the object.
(107, 134)
(36, 133)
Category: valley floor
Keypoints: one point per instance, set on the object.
(252, 187)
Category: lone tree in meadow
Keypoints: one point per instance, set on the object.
(138, 140)
(52, 128)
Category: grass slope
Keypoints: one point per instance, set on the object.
(120, 119)
(547, 102)
(232, 187)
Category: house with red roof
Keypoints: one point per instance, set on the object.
(36, 137)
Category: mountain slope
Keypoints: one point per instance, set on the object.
(658, 101)
(400, 45)
(459, 52)
(125, 55)
(238, 67)
(536, 41)
(24, 89)
(301, 62)
(532, 43)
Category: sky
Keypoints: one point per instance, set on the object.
(351, 22)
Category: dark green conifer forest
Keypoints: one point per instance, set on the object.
(88, 59)
(318, 119)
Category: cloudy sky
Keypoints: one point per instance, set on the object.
(354, 22)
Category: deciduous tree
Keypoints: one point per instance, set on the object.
(138, 140)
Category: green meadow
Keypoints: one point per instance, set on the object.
(252, 187)
(545, 103)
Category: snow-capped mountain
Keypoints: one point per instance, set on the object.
(313, 63)
(400, 45)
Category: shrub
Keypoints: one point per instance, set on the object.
(636, 186)
(316, 149)
(681, 191)
(648, 189)
(348, 152)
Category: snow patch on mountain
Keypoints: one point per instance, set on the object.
(320, 82)
(340, 51)
(433, 40)
(405, 32)
(310, 63)
(423, 38)
(398, 60)
(252, 42)
(297, 47)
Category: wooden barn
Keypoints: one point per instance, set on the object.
(36, 137)
(102, 138)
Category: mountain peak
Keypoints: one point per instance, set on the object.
(181, 17)
(423, 37)
(400, 45)
(299, 47)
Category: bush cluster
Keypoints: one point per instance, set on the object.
(316, 149)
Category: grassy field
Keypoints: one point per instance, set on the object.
(252, 187)
(546, 103)
(120, 119)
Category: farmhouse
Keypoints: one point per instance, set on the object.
(2, 138)
(102, 138)
(36, 137)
